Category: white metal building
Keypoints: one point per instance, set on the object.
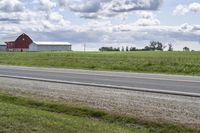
(50, 46)
(2, 46)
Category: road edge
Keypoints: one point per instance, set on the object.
(106, 86)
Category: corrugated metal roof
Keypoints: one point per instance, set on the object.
(52, 43)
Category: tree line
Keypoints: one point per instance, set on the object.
(153, 46)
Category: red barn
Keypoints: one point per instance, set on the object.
(18, 43)
(24, 43)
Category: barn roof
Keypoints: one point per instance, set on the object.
(11, 38)
(52, 43)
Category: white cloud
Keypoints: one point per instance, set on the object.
(186, 27)
(147, 22)
(46, 5)
(132, 5)
(183, 9)
(87, 6)
(145, 14)
(11, 6)
(194, 7)
(147, 19)
(31, 20)
(63, 3)
(110, 8)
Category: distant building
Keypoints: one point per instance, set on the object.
(50, 46)
(2, 46)
(24, 43)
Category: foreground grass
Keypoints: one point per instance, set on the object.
(153, 62)
(19, 114)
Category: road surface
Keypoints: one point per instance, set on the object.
(136, 81)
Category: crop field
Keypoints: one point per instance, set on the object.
(187, 63)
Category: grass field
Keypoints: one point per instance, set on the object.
(152, 62)
(20, 114)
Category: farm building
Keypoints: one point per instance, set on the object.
(50, 46)
(24, 43)
(2, 46)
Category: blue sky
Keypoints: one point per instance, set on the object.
(98, 23)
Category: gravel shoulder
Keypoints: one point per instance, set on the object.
(148, 106)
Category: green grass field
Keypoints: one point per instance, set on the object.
(23, 115)
(152, 62)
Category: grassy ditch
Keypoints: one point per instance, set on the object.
(152, 62)
(20, 114)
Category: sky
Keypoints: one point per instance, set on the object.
(98, 23)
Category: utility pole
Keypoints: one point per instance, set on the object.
(84, 47)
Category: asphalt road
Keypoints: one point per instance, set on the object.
(159, 82)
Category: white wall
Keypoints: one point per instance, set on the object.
(35, 47)
(54, 48)
(2, 47)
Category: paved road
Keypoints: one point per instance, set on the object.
(186, 84)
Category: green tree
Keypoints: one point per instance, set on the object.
(170, 47)
(109, 49)
(133, 49)
(122, 48)
(186, 49)
(156, 45)
(160, 46)
(127, 49)
(152, 45)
